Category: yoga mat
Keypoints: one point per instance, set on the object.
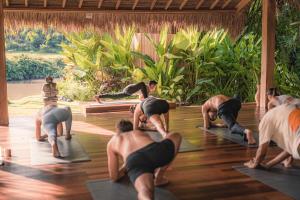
(123, 190)
(185, 146)
(72, 151)
(282, 179)
(225, 133)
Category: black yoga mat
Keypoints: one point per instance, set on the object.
(225, 133)
(285, 180)
(123, 190)
(71, 150)
(185, 146)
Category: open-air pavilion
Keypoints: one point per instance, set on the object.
(203, 174)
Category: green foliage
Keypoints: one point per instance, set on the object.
(25, 68)
(36, 40)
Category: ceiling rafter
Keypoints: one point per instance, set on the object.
(226, 4)
(153, 4)
(64, 2)
(168, 4)
(241, 5)
(7, 3)
(213, 5)
(183, 4)
(118, 4)
(80, 3)
(135, 4)
(199, 4)
(26, 3)
(45, 3)
(100, 3)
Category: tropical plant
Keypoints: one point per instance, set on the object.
(165, 70)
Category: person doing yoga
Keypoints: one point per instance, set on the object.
(281, 125)
(48, 119)
(145, 161)
(152, 108)
(227, 109)
(130, 90)
(275, 99)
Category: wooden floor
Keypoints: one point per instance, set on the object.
(204, 174)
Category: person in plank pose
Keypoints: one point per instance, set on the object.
(281, 125)
(47, 120)
(227, 109)
(130, 90)
(152, 108)
(145, 161)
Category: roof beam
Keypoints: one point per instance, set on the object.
(214, 4)
(100, 3)
(64, 3)
(118, 4)
(183, 4)
(226, 4)
(153, 4)
(45, 3)
(168, 4)
(7, 3)
(199, 4)
(241, 5)
(80, 4)
(26, 3)
(135, 4)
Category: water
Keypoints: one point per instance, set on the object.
(20, 89)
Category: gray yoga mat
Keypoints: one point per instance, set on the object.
(185, 146)
(71, 150)
(282, 179)
(225, 133)
(123, 190)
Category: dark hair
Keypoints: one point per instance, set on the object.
(273, 92)
(152, 82)
(124, 126)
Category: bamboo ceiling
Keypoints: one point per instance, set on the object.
(147, 15)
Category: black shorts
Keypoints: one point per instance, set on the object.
(152, 106)
(150, 157)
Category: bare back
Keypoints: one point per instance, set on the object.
(126, 143)
(214, 102)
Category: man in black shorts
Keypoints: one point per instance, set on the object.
(152, 108)
(145, 161)
(130, 90)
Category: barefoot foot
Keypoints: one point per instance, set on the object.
(68, 137)
(161, 181)
(249, 135)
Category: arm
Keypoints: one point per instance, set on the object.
(206, 122)
(143, 90)
(113, 162)
(136, 115)
(166, 118)
(278, 159)
(260, 155)
(157, 122)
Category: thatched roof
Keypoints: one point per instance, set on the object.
(147, 15)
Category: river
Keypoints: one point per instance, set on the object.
(20, 89)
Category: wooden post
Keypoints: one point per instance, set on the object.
(268, 49)
(3, 84)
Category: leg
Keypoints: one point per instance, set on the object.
(68, 123)
(60, 130)
(157, 122)
(160, 179)
(51, 130)
(145, 186)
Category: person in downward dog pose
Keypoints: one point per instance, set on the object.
(152, 108)
(145, 161)
(227, 109)
(130, 90)
(275, 99)
(48, 119)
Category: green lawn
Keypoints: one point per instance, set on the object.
(31, 104)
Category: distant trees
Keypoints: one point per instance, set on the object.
(36, 40)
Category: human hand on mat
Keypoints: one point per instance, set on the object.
(251, 164)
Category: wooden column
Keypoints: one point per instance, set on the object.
(3, 84)
(268, 49)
